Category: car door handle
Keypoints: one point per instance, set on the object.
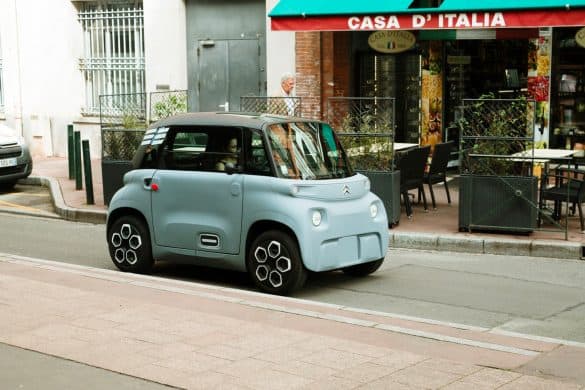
(147, 181)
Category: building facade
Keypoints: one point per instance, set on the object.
(57, 57)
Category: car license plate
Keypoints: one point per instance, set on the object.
(7, 162)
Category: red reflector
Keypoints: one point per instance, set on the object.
(154, 187)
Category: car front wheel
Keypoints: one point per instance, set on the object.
(129, 245)
(274, 263)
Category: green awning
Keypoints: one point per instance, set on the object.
(378, 7)
(372, 15)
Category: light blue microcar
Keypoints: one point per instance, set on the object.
(270, 195)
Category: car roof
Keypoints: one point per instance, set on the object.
(246, 119)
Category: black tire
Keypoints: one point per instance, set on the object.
(274, 263)
(129, 245)
(363, 269)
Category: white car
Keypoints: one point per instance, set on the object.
(15, 160)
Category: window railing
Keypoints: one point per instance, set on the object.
(113, 61)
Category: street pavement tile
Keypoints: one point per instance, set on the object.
(285, 354)
(67, 348)
(156, 337)
(214, 380)
(23, 340)
(211, 338)
(93, 323)
(364, 373)
(168, 350)
(259, 342)
(165, 375)
(269, 379)
(189, 328)
(491, 376)
(362, 349)
(463, 385)
(244, 367)
(335, 359)
(535, 383)
(331, 383)
(398, 360)
(225, 352)
(193, 362)
(387, 383)
(118, 363)
(449, 366)
(418, 376)
(306, 370)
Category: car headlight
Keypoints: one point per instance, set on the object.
(373, 210)
(367, 184)
(316, 218)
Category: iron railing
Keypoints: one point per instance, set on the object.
(123, 122)
(365, 127)
(165, 104)
(277, 105)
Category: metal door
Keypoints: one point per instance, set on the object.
(228, 69)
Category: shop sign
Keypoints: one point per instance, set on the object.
(433, 21)
(580, 37)
(391, 41)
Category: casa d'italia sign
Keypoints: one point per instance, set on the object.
(532, 18)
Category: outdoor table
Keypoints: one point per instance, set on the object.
(403, 146)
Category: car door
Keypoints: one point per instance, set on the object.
(195, 206)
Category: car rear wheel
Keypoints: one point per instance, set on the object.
(129, 245)
(274, 263)
(363, 269)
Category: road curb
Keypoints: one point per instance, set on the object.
(488, 245)
(407, 240)
(66, 212)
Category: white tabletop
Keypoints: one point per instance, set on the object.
(543, 155)
(403, 145)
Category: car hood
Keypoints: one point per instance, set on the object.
(7, 135)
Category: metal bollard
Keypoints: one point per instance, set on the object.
(87, 170)
(70, 151)
(78, 178)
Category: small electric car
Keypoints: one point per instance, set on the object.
(270, 195)
(15, 159)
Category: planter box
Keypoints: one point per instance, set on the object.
(498, 203)
(387, 186)
(112, 174)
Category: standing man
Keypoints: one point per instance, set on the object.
(287, 85)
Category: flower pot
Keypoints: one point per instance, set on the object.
(498, 203)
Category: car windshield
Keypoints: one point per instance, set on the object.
(308, 151)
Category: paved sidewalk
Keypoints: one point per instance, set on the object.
(188, 335)
(433, 230)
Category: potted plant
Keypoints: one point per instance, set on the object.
(370, 148)
(119, 143)
(497, 189)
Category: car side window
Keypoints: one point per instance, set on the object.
(257, 162)
(212, 149)
(185, 149)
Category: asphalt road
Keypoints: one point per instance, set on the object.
(536, 296)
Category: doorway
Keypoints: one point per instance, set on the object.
(397, 76)
(227, 70)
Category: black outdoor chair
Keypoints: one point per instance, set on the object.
(437, 172)
(567, 189)
(412, 169)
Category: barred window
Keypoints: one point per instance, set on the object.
(113, 62)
